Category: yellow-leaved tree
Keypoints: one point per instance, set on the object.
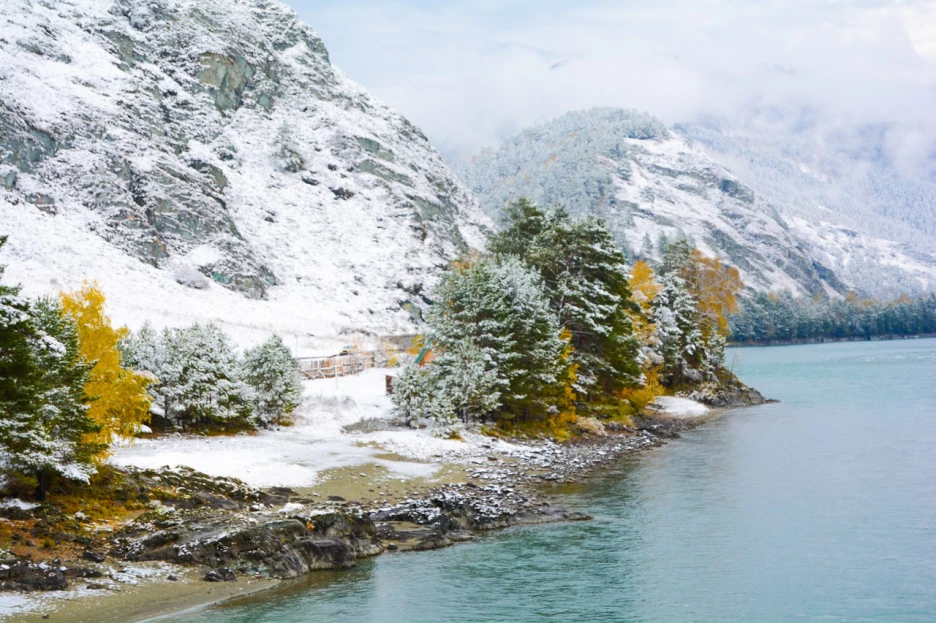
(120, 403)
(717, 287)
(644, 289)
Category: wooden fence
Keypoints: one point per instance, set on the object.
(342, 365)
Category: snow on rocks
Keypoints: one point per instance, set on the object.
(18, 503)
(680, 407)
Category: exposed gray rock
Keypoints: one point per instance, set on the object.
(280, 548)
(175, 129)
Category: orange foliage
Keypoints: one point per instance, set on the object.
(643, 290)
(640, 397)
(716, 286)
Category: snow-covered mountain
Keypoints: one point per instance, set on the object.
(868, 207)
(649, 184)
(202, 159)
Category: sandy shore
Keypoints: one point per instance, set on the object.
(149, 600)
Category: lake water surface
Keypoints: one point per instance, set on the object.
(821, 507)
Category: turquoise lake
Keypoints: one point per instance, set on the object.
(819, 508)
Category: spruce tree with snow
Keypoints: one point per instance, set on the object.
(199, 377)
(43, 409)
(413, 394)
(467, 381)
(210, 389)
(64, 409)
(159, 354)
(270, 370)
(676, 318)
(498, 307)
(141, 350)
(586, 280)
(20, 386)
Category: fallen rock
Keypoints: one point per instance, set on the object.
(221, 574)
(24, 575)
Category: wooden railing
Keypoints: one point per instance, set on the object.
(342, 365)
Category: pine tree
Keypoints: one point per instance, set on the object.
(43, 409)
(65, 411)
(467, 381)
(522, 222)
(209, 389)
(413, 393)
(677, 323)
(270, 370)
(586, 280)
(20, 374)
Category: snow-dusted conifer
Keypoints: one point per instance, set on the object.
(466, 380)
(210, 388)
(499, 307)
(676, 317)
(586, 281)
(64, 412)
(43, 409)
(270, 370)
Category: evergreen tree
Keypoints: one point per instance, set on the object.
(586, 280)
(43, 409)
(209, 390)
(467, 382)
(270, 370)
(20, 374)
(65, 411)
(499, 308)
(680, 338)
(141, 350)
(198, 377)
(522, 222)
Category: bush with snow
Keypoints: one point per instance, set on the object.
(200, 376)
(270, 371)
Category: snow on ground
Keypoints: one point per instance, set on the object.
(295, 456)
(18, 503)
(680, 407)
(134, 574)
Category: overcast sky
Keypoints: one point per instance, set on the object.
(471, 73)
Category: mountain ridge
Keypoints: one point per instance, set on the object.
(224, 163)
(649, 184)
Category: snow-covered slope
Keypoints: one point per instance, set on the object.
(880, 267)
(648, 183)
(202, 159)
(869, 207)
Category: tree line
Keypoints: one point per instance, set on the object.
(766, 317)
(551, 324)
(72, 384)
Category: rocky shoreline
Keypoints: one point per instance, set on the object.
(233, 532)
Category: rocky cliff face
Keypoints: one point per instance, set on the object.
(214, 142)
(649, 185)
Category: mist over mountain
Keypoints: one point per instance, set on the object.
(788, 214)
(864, 204)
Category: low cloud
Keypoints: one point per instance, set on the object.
(471, 73)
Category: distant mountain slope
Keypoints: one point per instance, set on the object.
(203, 159)
(873, 217)
(648, 183)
